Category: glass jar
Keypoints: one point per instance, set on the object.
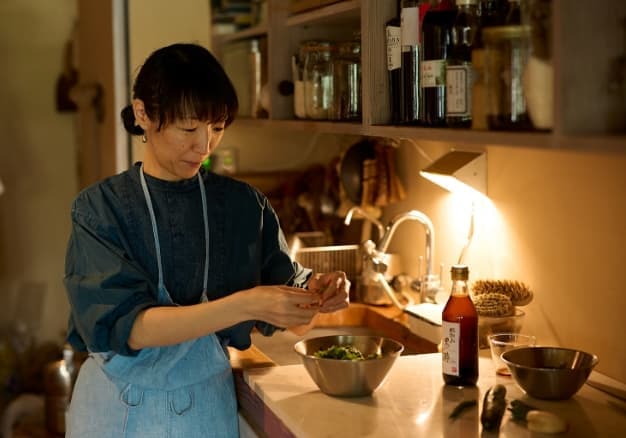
(346, 67)
(317, 78)
(297, 70)
(539, 72)
(506, 55)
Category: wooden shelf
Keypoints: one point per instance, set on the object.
(580, 109)
(332, 14)
(251, 32)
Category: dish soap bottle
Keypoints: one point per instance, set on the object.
(460, 333)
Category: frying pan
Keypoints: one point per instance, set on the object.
(351, 168)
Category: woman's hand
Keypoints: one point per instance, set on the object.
(282, 306)
(333, 289)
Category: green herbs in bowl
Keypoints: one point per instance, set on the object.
(344, 352)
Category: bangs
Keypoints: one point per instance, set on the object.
(205, 104)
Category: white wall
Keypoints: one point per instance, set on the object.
(37, 163)
(156, 23)
(558, 223)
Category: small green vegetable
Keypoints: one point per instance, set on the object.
(344, 352)
(520, 409)
(462, 406)
(494, 405)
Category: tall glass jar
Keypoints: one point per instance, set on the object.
(506, 55)
(318, 80)
(297, 68)
(346, 67)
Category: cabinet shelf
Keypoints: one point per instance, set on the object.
(469, 137)
(579, 62)
(251, 32)
(336, 13)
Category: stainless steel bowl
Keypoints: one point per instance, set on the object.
(549, 373)
(345, 378)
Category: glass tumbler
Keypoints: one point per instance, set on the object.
(501, 342)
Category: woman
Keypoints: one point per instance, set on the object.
(168, 264)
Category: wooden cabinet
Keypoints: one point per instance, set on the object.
(585, 39)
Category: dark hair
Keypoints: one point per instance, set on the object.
(182, 81)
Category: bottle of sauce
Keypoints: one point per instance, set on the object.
(410, 47)
(459, 66)
(460, 333)
(394, 64)
(436, 38)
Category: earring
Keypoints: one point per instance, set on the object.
(144, 139)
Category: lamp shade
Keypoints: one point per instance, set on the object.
(459, 171)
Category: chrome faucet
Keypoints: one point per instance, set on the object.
(429, 283)
(430, 235)
(376, 258)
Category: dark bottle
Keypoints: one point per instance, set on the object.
(394, 66)
(410, 37)
(436, 38)
(459, 66)
(460, 333)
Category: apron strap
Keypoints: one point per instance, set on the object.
(155, 232)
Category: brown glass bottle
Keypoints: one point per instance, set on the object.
(460, 333)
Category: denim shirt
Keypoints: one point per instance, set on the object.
(111, 270)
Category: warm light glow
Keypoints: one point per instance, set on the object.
(453, 185)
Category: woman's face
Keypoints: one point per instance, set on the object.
(177, 150)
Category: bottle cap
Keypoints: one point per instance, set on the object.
(459, 272)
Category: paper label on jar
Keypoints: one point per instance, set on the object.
(393, 48)
(458, 90)
(433, 73)
(450, 347)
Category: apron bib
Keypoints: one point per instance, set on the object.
(183, 390)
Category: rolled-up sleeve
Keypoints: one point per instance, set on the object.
(277, 266)
(106, 290)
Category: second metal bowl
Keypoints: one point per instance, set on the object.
(549, 373)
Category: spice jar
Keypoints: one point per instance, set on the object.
(506, 54)
(318, 80)
(346, 87)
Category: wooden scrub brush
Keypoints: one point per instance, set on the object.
(518, 292)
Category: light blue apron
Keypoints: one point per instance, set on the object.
(185, 390)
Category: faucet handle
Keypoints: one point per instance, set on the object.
(378, 260)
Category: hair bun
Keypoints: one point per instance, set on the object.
(128, 117)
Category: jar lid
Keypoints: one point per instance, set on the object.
(499, 33)
(459, 272)
(315, 46)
